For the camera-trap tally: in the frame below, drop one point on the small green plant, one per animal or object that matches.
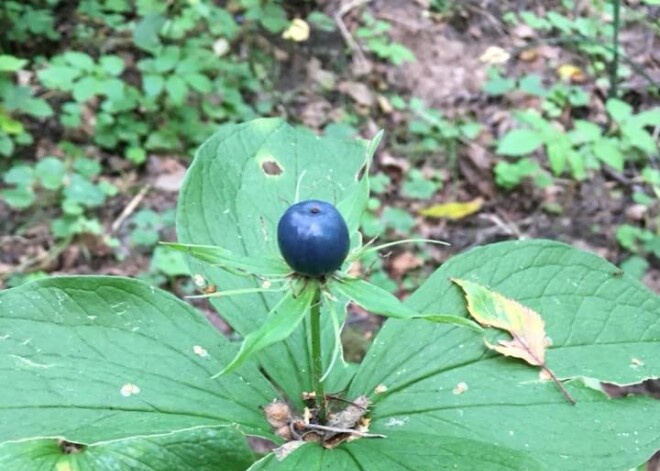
(71, 186)
(16, 101)
(374, 34)
(170, 391)
(582, 149)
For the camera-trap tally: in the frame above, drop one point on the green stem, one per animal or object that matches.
(614, 67)
(317, 359)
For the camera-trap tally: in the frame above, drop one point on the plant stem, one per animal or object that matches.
(317, 359)
(559, 384)
(614, 67)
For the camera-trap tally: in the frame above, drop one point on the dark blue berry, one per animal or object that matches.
(313, 238)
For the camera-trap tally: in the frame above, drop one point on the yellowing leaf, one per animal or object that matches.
(526, 327)
(297, 31)
(571, 73)
(454, 210)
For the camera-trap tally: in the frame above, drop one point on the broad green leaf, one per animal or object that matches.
(10, 63)
(519, 142)
(153, 84)
(199, 82)
(442, 381)
(50, 171)
(58, 76)
(112, 65)
(584, 132)
(145, 34)
(176, 89)
(618, 110)
(239, 185)
(646, 118)
(200, 449)
(20, 198)
(281, 321)
(608, 151)
(94, 359)
(403, 450)
(79, 60)
(37, 107)
(640, 139)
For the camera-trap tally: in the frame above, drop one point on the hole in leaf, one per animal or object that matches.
(271, 167)
(70, 448)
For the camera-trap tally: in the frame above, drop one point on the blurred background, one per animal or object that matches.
(503, 119)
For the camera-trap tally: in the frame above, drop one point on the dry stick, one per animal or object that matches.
(344, 30)
(130, 207)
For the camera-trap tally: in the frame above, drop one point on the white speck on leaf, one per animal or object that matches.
(636, 362)
(381, 388)
(394, 422)
(460, 388)
(200, 351)
(129, 389)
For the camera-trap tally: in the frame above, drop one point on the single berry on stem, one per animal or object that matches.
(313, 238)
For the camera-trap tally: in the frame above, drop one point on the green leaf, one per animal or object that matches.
(137, 155)
(353, 206)
(607, 150)
(169, 262)
(176, 89)
(85, 88)
(11, 64)
(37, 107)
(112, 65)
(618, 110)
(372, 298)
(145, 35)
(646, 118)
(227, 260)
(519, 142)
(201, 449)
(18, 198)
(6, 144)
(639, 138)
(584, 132)
(228, 199)
(50, 171)
(404, 450)
(59, 77)
(82, 191)
(378, 301)
(153, 84)
(94, 359)
(440, 380)
(280, 323)
(199, 82)
(19, 175)
(79, 60)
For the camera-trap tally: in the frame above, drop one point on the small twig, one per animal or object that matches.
(348, 37)
(41, 260)
(326, 428)
(130, 207)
